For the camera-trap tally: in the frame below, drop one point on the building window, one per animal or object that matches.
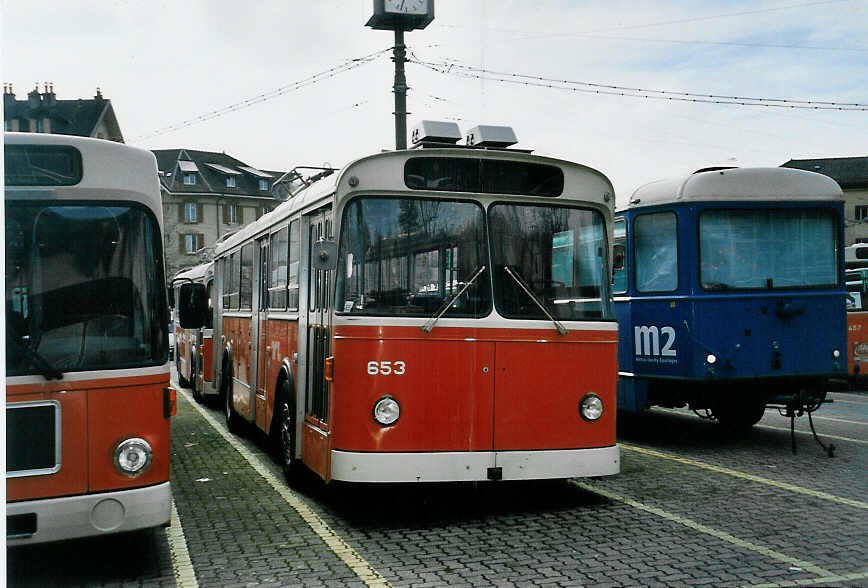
(190, 213)
(263, 185)
(861, 212)
(232, 214)
(230, 181)
(190, 243)
(190, 179)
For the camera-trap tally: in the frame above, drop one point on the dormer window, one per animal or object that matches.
(189, 179)
(230, 181)
(263, 185)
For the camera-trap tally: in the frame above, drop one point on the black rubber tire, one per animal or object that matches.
(284, 433)
(739, 417)
(194, 381)
(233, 421)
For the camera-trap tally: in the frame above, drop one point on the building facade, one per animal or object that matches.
(42, 112)
(851, 173)
(206, 196)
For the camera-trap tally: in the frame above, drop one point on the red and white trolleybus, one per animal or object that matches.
(87, 369)
(433, 314)
(856, 259)
(194, 348)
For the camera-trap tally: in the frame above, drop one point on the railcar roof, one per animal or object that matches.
(196, 272)
(119, 169)
(375, 173)
(739, 184)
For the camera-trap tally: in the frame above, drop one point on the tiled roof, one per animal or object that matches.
(211, 169)
(849, 172)
(68, 117)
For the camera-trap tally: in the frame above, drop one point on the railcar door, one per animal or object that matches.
(315, 430)
(260, 321)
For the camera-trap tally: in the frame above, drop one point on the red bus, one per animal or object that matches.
(194, 348)
(88, 400)
(442, 313)
(856, 259)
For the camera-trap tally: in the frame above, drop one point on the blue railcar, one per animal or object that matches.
(729, 293)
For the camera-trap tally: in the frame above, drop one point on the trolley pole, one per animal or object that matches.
(399, 56)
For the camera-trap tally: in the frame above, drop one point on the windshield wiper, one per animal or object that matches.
(562, 330)
(40, 363)
(428, 326)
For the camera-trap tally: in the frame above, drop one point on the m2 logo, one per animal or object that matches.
(647, 341)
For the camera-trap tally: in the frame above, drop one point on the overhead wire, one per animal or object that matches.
(343, 67)
(456, 69)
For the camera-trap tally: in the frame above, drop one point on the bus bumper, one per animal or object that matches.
(68, 517)
(474, 466)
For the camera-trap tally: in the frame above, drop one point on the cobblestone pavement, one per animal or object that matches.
(690, 507)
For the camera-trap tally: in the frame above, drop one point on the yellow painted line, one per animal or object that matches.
(732, 539)
(815, 582)
(185, 574)
(822, 418)
(821, 435)
(365, 571)
(746, 476)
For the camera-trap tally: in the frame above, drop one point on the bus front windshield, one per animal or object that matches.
(409, 257)
(549, 260)
(768, 249)
(84, 288)
(415, 256)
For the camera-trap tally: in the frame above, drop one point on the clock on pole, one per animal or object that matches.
(400, 16)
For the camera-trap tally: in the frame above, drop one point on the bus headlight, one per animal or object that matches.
(133, 457)
(387, 410)
(591, 407)
(836, 354)
(711, 359)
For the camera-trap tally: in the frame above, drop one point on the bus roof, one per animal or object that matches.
(197, 272)
(112, 171)
(375, 174)
(739, 184)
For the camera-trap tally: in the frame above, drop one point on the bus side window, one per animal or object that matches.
(619, 257)
(656, 252)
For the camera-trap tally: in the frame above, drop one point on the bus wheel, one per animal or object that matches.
(739, 416)
(233, 421)
(194, 383)
(285, 433)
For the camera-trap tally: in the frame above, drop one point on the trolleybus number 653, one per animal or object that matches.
(386, 368)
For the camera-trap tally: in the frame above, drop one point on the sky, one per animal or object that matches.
(179, 74)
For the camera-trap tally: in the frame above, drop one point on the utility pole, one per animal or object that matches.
(399, 56)
(400, 16)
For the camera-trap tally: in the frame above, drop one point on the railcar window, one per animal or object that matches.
(277, 269)
(82, 288)
(234, 274)
(560, 253)
(619, 274)
(656, 252)
(857, 287)
(41, 165)
(294, 252)
(488, 176)
(409, 256)
(767, 249)
(246, 288)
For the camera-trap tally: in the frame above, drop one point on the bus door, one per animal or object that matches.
(260, 324)
(315, 431)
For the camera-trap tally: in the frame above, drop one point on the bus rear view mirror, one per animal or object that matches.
(324, 255)
(192, 305)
